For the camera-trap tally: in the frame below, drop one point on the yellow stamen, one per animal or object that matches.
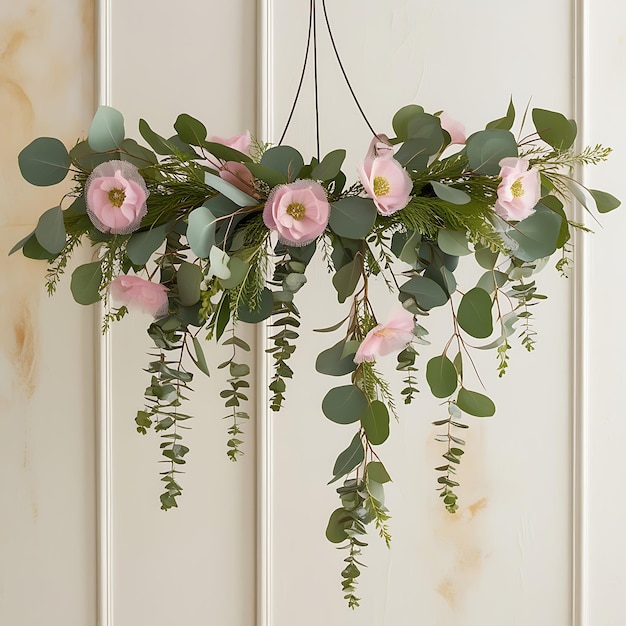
(381, 186)
(296, 210)
(517, 188)
(117, 197)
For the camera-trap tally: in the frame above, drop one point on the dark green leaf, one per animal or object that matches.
(159, 144)
(344, 405)
(350, 458)
(85, 283)
(139, 156)
(50, 231)
(453, 242)
(486, 148)
(347, 278)
(402, 118)
(475, 403)
(604, 201)
(537, 235)
(262, 313)
(188, 278)
(329, 166)
(442, 376)
(226, 153)
(332, 363)
(44, 161)
(554, 128)
(190, 130)
(426, 292)
(376, 423)
(506, 122)
(200, 359)
(376, 471)
(285, 160)
(352, 217)
(143, 244)
(474, 314)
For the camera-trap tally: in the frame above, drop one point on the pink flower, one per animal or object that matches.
(519, 191)
(139, 294)
(384, 339)
(116, 197)
(384, 179)
(238, 142)
(299, 211)
(238, 175)
(455, 129)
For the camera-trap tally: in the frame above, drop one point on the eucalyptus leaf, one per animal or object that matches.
(200, 359)
(139, 156)
(537, 235)
(475, 403)
(240, 198)
(188, 278)
(142, 244)
(85, 283)
(264, 310)
(402, 118)
(20, 244)
(554, 128)
(449, 194)
(285, 160)
(339, 521)
(190, 130)
(506, 122)
(267, 174)
(474, 314)
(44, 161)
(376, 423)
(329, 166)
(344, 405)
(441, 376)
(426, 292)
(332, 362)
(50, 231)
(349, 459)
(201, 231)
(32, 249)
(486, 258)
(605, 202)
(238, 271)
(453, 242)
(159, 144)
(346, 279)
(226, 153)
(376, 471)
(486, 148)
(352, 217)
(107, 129)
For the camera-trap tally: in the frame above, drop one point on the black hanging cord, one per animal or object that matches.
(312, 35)
(306, 58)
(343, 71)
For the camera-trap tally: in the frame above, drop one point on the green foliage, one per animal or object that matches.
(44, 161)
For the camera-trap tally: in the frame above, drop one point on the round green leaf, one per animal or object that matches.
(332, 363)
(474, 314)
(344, 405)
(453, 242)
(264, 310)
(44, 161)
(142, 245)
(554, 128)
(426, 292)
(85, 283)
(188, 278)
(376, 423)
(50, 231)
(537, 235)
(475, 403)
(107, 129)
(337, 524)
(486, 148)
(285, 160)
(441, 376)
(352, 217)
(402, 118)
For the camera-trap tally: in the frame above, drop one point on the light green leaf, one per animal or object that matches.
(50, 231)
(474, 314)
(143, 244)
(107, 129)
(201, 231)
(218, 263)
(349, 459)
(85, 283)
(441, 376)
(352, 217)
(344, 405)
(449, 194)
(240, 198)
(453, 242)
(376, 423)
(44, 161)
(475, 403)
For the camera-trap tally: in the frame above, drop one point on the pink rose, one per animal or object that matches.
(455, 129)
(384, 179)
(116, 196)
(519, 191)
(238, 175)
(299, 211)
(384, 339)
(238, 142)
(139, 294)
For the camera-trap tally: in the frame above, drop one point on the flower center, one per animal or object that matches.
(517, 188)
(297, 210)
(381, 186)
(117, 197)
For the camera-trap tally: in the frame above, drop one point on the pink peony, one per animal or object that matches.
(384, 179)
(238, 142)
(299, 211)
(238, 175)
(139, 294)
(116, 196)
(519, 191)
(455, 129)
(384, 339)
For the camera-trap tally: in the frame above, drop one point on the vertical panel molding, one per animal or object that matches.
(104, 474)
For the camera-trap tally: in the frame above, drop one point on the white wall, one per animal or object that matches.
(537, 538)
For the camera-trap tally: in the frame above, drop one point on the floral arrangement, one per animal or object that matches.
(206, 233)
